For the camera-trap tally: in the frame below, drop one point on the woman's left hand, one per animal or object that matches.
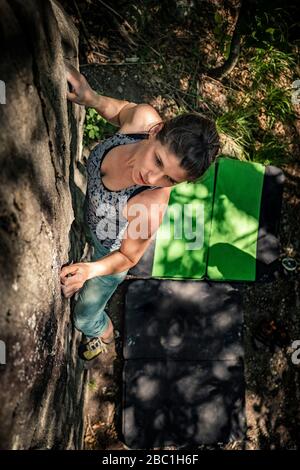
(73, 277)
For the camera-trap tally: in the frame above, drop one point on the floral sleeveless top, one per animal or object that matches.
(103, 208)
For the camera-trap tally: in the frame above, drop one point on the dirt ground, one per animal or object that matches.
(272, 380)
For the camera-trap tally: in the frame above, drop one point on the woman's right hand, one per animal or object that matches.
(81, 92)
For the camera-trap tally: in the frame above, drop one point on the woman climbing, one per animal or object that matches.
(129, 179)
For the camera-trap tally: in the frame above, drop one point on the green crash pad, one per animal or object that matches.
(224, 227)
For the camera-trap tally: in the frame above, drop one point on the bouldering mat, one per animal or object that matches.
(183, 380)
(224, 227)
(183, 320)
(182, 402)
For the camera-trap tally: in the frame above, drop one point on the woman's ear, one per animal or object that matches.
(155, 128)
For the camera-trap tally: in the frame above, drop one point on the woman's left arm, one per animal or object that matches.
(73, 277)
(144, 214)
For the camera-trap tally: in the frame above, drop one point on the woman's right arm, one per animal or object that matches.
(131, 117)
(83, 94)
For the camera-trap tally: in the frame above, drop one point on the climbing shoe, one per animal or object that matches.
(90, 348)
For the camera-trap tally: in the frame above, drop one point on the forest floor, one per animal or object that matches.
(154, 67)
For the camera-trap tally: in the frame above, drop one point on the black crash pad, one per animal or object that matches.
(183, 320)
(182, 403)
(183, 379)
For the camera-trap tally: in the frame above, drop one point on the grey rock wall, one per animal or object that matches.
(42, 384)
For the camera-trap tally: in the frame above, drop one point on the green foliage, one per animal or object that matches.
(239, 124)
(242, 126)
(277, 105)
(269, 28)
(269, 63)
(95, 127)
(270, 151)
(221, 36)
(250, 127)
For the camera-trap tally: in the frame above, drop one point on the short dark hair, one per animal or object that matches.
(194, 139)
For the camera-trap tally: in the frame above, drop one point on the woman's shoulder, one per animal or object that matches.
(153, 203)
(151, 196)
(138, 118)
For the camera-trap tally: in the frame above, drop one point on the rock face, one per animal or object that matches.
(42, 384)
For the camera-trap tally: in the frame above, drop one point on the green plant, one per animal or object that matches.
(269, 27)
(95, 127)
(239, 125)
(270, 151)
(249, 127)
(268, 63)
(277, 105)
(221, 36)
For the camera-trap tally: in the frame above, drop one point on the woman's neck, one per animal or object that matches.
(130, 160)
(122, 168)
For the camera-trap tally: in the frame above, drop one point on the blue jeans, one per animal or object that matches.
(89, 315)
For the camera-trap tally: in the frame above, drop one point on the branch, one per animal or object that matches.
(230, 63)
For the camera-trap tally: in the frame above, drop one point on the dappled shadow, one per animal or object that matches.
(230, 259)
(183, 372)
(179, 403)
(183, 320)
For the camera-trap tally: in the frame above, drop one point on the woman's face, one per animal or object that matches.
(155, 165)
